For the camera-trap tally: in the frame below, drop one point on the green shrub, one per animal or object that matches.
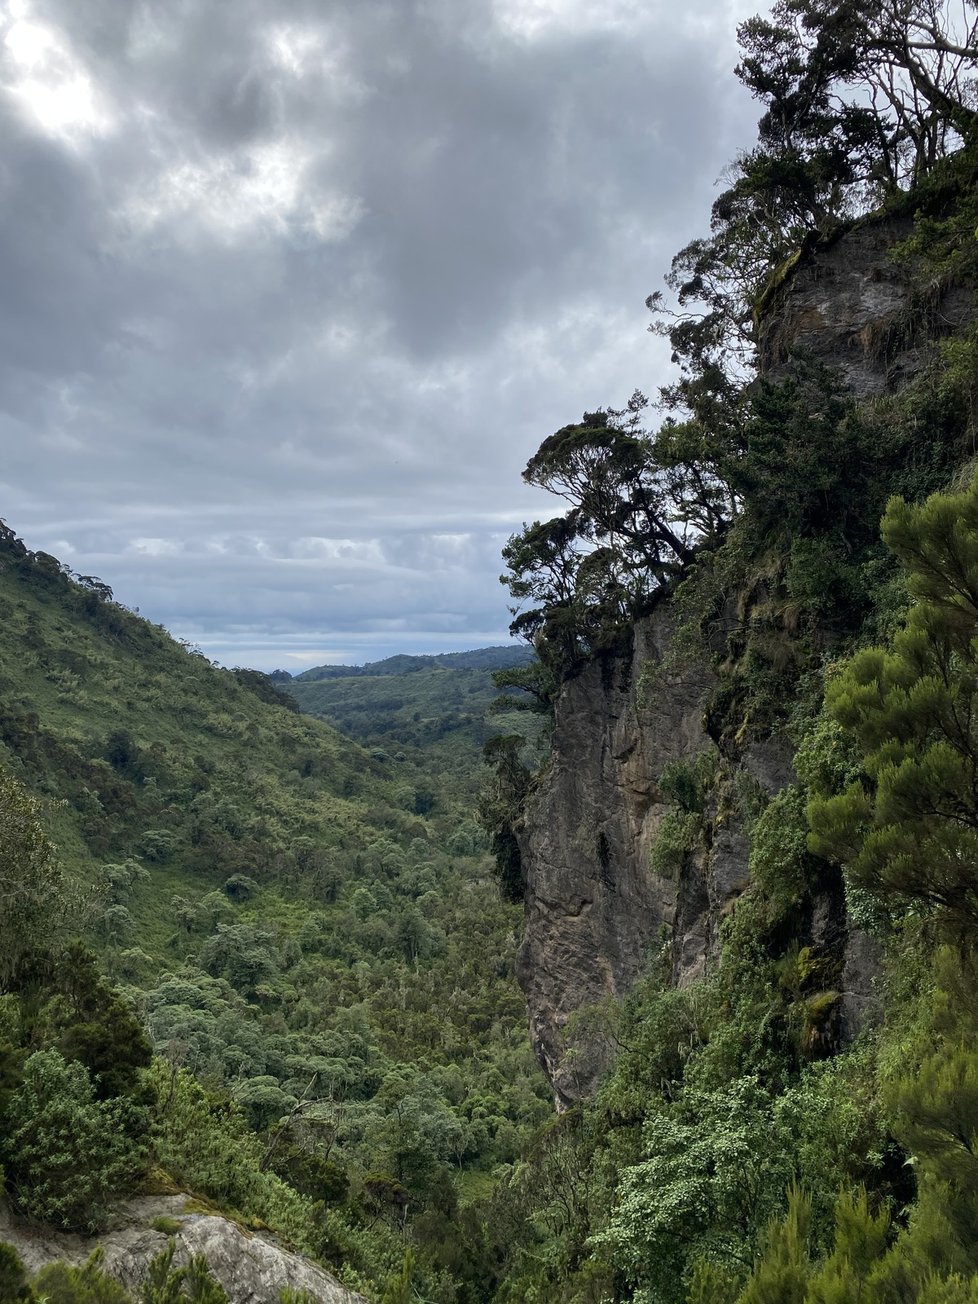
(675, 838)
(13, 1276)
(59, 1283)
(67, 1155)
(193, 1281)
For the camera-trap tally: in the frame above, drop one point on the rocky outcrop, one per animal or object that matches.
(253, 1269)
(850, 304)
(595, 908)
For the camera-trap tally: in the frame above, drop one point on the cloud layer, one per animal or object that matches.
(292, 290)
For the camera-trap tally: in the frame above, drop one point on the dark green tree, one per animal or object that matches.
(909, 829)
(36, 899)
(637, 509)
(861, 100)
(67, 1156)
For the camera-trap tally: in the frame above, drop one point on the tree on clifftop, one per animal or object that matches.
(637, 508)
(862, 100)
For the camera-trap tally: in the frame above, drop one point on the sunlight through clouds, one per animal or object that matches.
(265, 188)
(47, 80)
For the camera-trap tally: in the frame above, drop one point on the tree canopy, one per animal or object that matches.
(909, 828)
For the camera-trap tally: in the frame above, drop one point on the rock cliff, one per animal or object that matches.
(870, 316)
(253, 1269)
(595, 907)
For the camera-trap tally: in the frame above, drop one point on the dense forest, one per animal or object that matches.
(266, 965)
(270, 960)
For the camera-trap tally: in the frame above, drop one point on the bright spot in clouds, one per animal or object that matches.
(45, 78)
(264, 188)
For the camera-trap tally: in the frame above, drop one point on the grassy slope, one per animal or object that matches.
(130, 735)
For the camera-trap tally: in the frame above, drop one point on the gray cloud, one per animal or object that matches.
(279, 273)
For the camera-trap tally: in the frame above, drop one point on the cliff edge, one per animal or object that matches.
(599, 905)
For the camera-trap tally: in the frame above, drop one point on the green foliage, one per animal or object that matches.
(89, 1021)
(399, 1290)
(937, 1118)
(431, 710)
(684, 785)
(34, 891)
(291, 910)
(910, 829)
(787, 1271)
(712, 1168)
(677, 835)
(780, 863)
(67, 1155)
(860, 1241)
(636, 507)
(13, 1276)
(59, 1283)
(709, 1283)
(779, 1277)
(204, 1142)
(165, 1224)
(166, 1283)
(534, 682)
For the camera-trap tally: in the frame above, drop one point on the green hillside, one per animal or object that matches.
(483, 658)
(294, 918)
(435, 712)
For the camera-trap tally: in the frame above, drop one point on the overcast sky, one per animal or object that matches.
(292, 289)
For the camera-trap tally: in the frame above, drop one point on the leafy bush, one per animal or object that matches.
(67, 1155)
(59, 1283)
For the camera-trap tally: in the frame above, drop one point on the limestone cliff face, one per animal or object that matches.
(594, 907)
(252, 1269)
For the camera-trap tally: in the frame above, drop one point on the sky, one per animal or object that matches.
(293, 289)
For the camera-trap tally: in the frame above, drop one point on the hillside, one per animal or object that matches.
(434, 712)
(483, 658)
(292, 917)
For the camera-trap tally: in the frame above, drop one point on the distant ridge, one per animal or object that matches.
(483, 658)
